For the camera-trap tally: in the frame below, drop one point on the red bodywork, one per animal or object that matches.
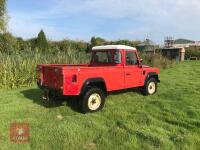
(70, 79)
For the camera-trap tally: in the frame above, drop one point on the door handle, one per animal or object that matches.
(128, 74)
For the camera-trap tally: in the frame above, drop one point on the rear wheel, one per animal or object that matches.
(150, 87)
(93, 100)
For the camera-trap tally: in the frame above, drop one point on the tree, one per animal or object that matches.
(126, 42)
(97, 41)
(8, 43)
(41, 41)
(2, 15)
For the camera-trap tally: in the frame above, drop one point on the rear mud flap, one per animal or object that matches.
(49, 95)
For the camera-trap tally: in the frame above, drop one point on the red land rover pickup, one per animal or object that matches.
(112, 68)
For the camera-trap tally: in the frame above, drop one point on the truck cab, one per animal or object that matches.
(112, 68)
(125, 59)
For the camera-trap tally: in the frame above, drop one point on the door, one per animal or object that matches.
(132, 71)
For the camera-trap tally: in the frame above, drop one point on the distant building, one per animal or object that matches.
(146, 46)
(174, 49)
(169, 41)
(174, 53)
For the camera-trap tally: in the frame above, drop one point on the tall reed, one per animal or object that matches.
(19, 70)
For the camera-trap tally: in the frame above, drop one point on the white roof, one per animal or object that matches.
(113, 47)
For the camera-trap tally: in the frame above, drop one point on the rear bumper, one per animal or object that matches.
(58, 92)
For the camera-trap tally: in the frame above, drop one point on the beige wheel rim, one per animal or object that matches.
(152, 87)
(94, 101)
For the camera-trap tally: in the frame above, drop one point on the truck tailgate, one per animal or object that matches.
(52, 77)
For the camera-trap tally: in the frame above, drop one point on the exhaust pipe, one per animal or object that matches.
(49, 95)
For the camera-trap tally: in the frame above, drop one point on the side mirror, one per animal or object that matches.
(140, 62)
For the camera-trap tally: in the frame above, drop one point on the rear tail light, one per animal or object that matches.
(74, 78)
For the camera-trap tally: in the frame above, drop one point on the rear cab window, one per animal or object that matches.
(107, 57)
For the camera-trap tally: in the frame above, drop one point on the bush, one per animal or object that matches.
(157, 60)
(192, 51)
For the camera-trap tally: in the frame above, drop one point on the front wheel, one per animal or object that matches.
(150, 87)
(93, 100)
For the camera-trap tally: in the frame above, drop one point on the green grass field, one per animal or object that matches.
(168, 120)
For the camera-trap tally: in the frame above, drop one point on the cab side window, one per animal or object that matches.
(131, 58)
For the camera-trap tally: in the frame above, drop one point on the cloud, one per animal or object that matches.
(128, 8)
(158, 18)
(111, 18)
(25, 26)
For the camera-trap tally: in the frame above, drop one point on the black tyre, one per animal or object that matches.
(93, 100)
(150, 87)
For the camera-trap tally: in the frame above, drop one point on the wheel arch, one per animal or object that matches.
(96, 82)
(152, 75)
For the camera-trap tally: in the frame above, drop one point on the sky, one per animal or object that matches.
(109, 19)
